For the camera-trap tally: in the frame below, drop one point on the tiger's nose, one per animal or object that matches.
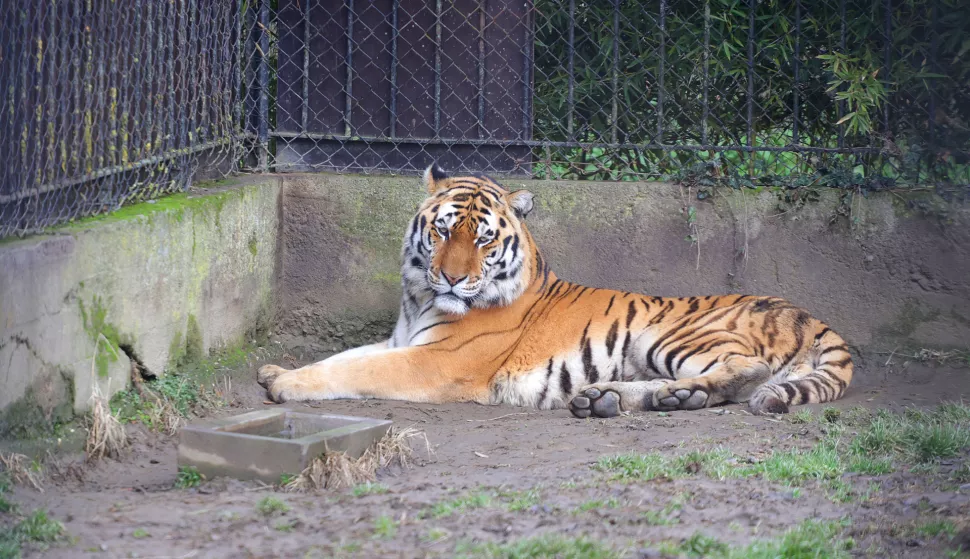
(452, 280)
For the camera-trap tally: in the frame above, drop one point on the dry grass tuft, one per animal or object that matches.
(336, 470)
(21, 470)
(107, 437)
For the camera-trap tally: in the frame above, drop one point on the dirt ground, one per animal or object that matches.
(484, 458)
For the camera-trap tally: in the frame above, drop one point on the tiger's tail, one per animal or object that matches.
(828, 374)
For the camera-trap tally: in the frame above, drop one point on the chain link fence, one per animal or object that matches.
(744, 92)
(106, 102)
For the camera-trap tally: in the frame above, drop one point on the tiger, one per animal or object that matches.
(484, 319)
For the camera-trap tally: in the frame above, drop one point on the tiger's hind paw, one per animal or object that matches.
(595, 402)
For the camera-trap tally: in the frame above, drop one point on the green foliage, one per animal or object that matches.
(269, 505)
(188, 477)
(37, 529)
(614, 93)
(385, 528)
(461, 504)
(547, 546)
(369, 488)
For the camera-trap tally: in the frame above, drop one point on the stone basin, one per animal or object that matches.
(263, 445)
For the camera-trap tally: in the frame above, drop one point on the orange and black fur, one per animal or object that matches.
(484, 319)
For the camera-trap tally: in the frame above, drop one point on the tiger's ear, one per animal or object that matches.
(434, 177)
(521, 202)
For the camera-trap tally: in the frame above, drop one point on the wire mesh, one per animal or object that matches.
(107, 102)
(745, 92)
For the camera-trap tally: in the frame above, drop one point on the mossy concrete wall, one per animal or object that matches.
(163, 282)
(883, 275)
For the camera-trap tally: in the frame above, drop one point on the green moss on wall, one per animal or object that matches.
(105, 336)
(175, 205)
(187, 349)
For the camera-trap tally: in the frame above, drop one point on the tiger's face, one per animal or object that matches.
(467, 244)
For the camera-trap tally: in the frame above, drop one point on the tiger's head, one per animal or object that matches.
(468, 244)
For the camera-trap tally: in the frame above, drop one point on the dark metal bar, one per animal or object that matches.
(934, 52)
(50, 58)
(797, 69)
(662, 68)
(750, 115)
(240, 62)
(395, 31)
(449, 142)
(707, 69)
(263, 119)
(570, 98)
(616, 70)
(153, 83)
(305, 99)
(437, 68)
(349, 61)
(195, 51)
(527, 74)
(481, 67)
(887, 63)
(840, 106)
(178, 51)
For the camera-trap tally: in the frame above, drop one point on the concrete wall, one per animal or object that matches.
(163, 281)
(168, 281)
(883, 276)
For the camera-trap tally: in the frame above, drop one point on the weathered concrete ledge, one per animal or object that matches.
(162, 282)
(882, 274)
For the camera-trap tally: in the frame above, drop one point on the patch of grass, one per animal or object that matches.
(659, 518)
(285, 526)
(140, 533)
(37, 530)
(385, 528)
(369, 488)
(794, 466)
(801, 416)
(540, 547)
(841, 491)
(831, 415)
(521, 500)
(870, 465)
(596, 504)
(5, 505)
(961, 474)
(714, 463)
(188, 477)
(460, 505)
(286, 479)
(191, 388)
(664, 517)
(270, 505)
(934, 528)
(639, 467)
(809, 540)
(435, 535)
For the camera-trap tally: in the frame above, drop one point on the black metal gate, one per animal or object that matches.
(384, 84)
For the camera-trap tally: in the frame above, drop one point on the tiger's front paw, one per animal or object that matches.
(592, 401)
(288, 388)
(267, 374)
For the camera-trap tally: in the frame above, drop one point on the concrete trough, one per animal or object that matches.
(266, 444)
